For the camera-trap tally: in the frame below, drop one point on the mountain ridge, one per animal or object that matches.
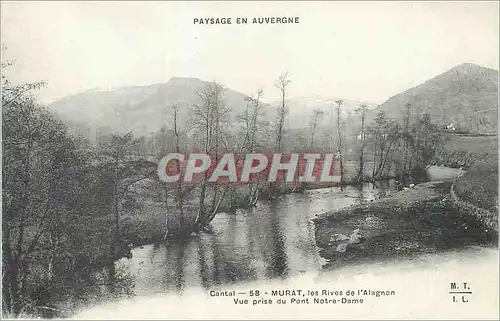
(144, 108)
(465, 96)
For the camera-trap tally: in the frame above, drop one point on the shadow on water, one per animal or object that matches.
(175, 260)
(276, 258)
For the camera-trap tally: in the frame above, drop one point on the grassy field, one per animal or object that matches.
(479, 155)
(471, 144)
(480, 184)
(463, 151)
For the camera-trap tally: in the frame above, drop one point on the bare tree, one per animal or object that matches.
(152, 144)
(339, 137)
(175, 109)
(406, 136)
(250, 118)
(208, 117)
(282, 84)
(180, 194)
(316, 114)
(116, 158)
(362, 110)
(161, 140)
(384, 135)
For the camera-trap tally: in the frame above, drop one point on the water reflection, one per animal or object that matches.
(175, 260)
(275, 249)
(273, 240)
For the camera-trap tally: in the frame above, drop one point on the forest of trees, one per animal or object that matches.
(66, 198)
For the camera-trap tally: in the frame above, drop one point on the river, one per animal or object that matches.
(273, 242)
(275, 239)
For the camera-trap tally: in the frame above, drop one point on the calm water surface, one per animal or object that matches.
(273, 240)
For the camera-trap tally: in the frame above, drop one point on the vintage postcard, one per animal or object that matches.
(333, 160)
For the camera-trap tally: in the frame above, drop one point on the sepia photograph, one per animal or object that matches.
(305, 160)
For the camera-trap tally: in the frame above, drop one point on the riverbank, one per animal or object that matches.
(423, 219)
(479, 185)
(420, 286)
(276, 241)
(154, 222)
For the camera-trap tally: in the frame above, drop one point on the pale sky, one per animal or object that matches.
(354, 50)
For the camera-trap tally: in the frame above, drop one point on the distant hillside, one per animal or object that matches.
(142, 109)
(466, 96)
(301, 109)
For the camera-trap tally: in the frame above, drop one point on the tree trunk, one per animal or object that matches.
(407, 134)
(341, 161)
(361, 157)
(116, 212)
(166, 212)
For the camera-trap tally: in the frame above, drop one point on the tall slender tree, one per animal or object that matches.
(360, 177)
(406, 141)
(339, 140)
(317, 113)
(282, 84)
